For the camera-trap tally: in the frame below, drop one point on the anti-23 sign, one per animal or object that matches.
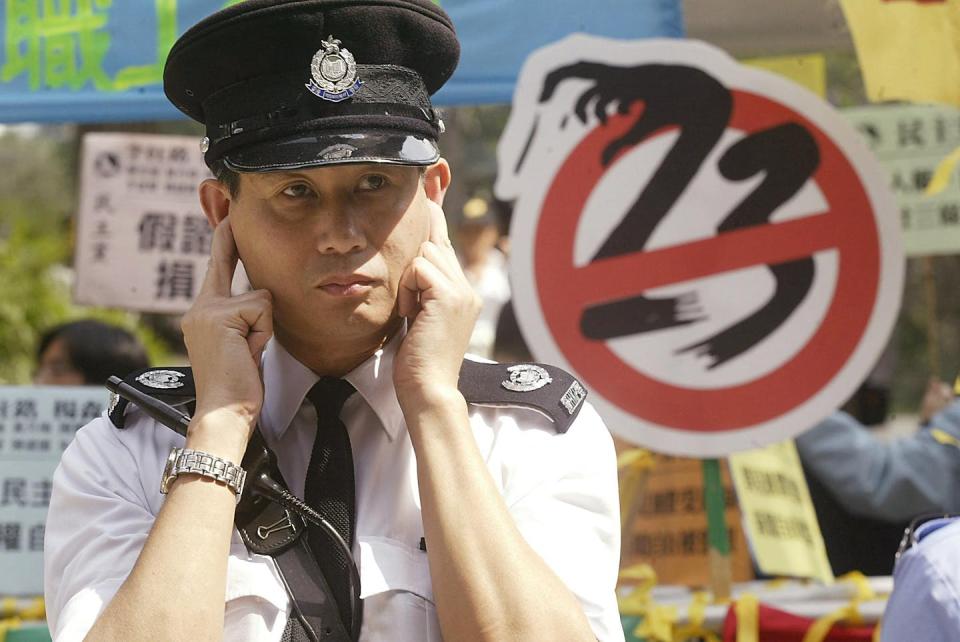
(711, 248)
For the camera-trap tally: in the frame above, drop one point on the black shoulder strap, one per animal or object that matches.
(549, 389)
(171, 385)
(271, 529)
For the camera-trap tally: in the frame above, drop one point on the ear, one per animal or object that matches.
(215, 200)
(436, 180)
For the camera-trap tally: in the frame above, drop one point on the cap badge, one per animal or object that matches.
(334, 73)
(340, 151)
(162, 379)
(526, 377)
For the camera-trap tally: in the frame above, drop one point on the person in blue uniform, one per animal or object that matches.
(925, 603)
(890, 480)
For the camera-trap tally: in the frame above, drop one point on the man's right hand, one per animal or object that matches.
(225, 336)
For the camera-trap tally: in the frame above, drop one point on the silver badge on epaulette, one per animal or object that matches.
(573, 397)
(162, 379)
(526, 377)
(334, 73)
(114, 400)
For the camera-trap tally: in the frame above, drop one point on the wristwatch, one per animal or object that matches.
(187, 460)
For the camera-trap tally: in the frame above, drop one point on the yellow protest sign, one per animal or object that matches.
(779, 518)
(808, 70)
(908, 50)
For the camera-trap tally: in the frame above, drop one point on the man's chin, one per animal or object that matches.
(338, 324)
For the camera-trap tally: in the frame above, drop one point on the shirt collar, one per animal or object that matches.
(287, 382)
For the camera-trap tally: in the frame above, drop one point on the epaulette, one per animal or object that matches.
(548, 389)
(173, 386)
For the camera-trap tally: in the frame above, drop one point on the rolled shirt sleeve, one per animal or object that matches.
(98, 521)
(561, 490)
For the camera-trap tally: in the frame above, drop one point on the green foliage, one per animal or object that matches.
(36, 193)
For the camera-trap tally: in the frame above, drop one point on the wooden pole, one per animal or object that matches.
(933, 327)
(718, 536)
(635, 466)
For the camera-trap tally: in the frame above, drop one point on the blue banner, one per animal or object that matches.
(102, 60)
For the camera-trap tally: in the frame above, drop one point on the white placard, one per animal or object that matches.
(911, 141)
(36, 426)
(142, 239)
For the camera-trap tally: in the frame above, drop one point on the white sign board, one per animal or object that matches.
(910, 141)
(142, 239)
(711, 248)
(36, 426)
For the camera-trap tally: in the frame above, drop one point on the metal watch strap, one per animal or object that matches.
(187, 460)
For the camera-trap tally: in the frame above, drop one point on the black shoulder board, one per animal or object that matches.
(173, 386)
(548, 389)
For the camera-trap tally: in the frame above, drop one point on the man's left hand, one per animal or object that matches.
(441, 308)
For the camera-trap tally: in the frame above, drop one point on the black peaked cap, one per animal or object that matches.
(244, 73)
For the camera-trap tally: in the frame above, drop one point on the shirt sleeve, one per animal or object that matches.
(97, 523)
(571, 516)
(925, 604)
(894, 480)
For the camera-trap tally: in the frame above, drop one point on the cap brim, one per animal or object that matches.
(330, 148)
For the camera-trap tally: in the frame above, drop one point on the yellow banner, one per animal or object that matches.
(908, 50)
(808, 70)
(779, 518)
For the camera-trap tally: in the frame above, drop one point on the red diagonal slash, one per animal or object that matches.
(565, 290)
(603, 281)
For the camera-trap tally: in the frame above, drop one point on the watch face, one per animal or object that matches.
(168, 475)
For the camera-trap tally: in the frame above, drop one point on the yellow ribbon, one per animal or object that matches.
(10, 608)
(8, 624)
(36, 611)
(941, 176)
(658, 621)
(876, 631)
(637, 459)
(850, 613)
(657, 624)
(818, 630)
(861, 585)
(747, 609)
(638, 600)
(945, 438)
(697, 614)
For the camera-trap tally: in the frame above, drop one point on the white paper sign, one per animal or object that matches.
(910, 141)
(142, 239)
(36, 426)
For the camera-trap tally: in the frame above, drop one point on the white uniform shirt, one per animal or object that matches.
(561, 490)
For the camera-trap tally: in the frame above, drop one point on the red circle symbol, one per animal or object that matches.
(848, 226)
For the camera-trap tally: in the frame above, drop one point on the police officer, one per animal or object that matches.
(925, 603)
(476, 507)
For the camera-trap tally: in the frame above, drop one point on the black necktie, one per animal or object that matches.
(330, 488)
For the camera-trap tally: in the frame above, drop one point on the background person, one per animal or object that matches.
(485, 267)
(87, 353)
